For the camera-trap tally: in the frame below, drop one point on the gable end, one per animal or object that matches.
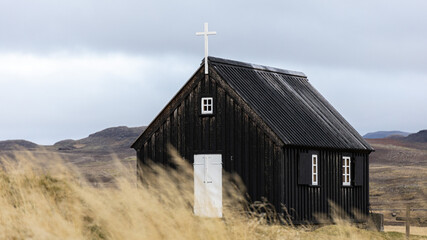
(170, 107)
(186, 90)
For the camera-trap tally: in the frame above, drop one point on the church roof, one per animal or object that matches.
(289, 105)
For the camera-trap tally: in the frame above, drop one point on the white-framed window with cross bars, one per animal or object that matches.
(346, 171)
(207, 105)
(314, 170)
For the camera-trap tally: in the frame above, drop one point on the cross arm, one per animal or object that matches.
(207, 33)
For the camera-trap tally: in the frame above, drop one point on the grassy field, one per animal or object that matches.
(398, 169)
(54, 201)
(422, 231)
(398, 177)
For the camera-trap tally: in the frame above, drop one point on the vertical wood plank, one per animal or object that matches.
(160, 147)
(220, 119)
(238, 151)
(232, 136)
(252, 160)
(261, 160)
(246, 148)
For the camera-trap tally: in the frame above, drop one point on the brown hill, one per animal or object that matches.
(17, 144)
(111, 140)
(420, 136)
(398, 176)
(95, 156)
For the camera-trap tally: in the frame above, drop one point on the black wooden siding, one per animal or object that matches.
(245, 147)
(303, 201)
(267, 168)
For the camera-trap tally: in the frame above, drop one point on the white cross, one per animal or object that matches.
(206, 33)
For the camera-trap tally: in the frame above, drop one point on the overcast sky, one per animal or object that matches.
(70, 68)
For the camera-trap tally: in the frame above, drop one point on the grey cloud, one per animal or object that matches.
(363, 34)
(367, 48)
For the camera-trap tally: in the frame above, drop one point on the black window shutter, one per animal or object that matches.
(358, 171)
(304, 169)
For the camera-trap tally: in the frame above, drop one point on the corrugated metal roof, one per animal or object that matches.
(289, 105)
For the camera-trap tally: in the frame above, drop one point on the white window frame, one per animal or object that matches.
(346, 171)
(314, 170)
(207, 105)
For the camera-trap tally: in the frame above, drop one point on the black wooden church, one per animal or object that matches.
(272, 128)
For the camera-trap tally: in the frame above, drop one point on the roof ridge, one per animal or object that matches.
(254, 66)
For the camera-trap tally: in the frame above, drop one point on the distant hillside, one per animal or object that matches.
(397, 177)
(384, 134)
(17, 144)
(95, 156)
(420, 136)
(110, 139)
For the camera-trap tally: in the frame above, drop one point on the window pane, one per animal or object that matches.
(314, 178)
(348, 162)
(314, 160)
(205, 101)
(314, 169)
(205, 108)
(348, 178)
(348, 170)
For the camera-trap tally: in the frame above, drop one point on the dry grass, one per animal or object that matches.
(52, 201)
(398, 177)
(422, 231)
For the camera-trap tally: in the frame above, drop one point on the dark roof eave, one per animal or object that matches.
(368, 150)
(255, 66)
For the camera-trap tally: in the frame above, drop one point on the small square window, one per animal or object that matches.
(207, 105)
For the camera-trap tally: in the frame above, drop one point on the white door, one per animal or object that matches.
(208, 185)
